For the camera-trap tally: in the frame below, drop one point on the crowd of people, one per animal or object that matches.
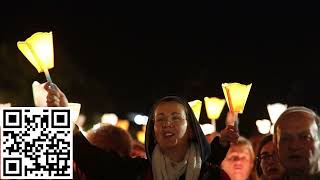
(175, 147)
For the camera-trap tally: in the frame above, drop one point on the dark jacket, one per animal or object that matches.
(98, 164)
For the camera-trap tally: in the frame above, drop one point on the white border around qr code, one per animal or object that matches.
(31, 140)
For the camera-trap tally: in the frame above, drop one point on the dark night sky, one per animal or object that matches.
(122, 57)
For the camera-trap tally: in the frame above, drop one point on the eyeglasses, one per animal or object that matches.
(175, 120)
(267, 156)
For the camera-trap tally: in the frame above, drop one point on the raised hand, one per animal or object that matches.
(55, 97)
(229, 135)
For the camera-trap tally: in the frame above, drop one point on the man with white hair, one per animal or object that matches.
(296, 136)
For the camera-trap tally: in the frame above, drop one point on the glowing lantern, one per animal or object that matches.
(236, 95)
(275, 110)
(207, 128)
(214, 107)
(109, 118)
(196, 107)
(124, 124)
(140, 119)
(74, 111)
(141, 136)
(264, 126)
(38, 49)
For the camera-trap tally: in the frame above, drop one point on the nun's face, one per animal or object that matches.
(170, 125)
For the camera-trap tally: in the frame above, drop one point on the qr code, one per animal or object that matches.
(36, 143)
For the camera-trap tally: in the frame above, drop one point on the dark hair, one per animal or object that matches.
(264, 141)
(192, 122)
(183, 102)
(179, 100)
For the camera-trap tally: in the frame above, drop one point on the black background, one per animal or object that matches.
(121, 57)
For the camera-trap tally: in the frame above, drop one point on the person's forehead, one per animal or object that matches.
(171, 106)
(297, 121)
(242, 149)
(268, 147)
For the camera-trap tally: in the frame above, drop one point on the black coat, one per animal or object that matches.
(98, 164)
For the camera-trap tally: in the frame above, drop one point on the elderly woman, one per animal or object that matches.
(176, 147)
(239, 160)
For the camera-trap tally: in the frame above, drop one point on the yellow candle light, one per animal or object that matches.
(196, 107)
(141, 136)
(38, 49)
(123, 123)
(236, 95)
(214, 107)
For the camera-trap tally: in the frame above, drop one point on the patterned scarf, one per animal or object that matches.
(165, 169)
